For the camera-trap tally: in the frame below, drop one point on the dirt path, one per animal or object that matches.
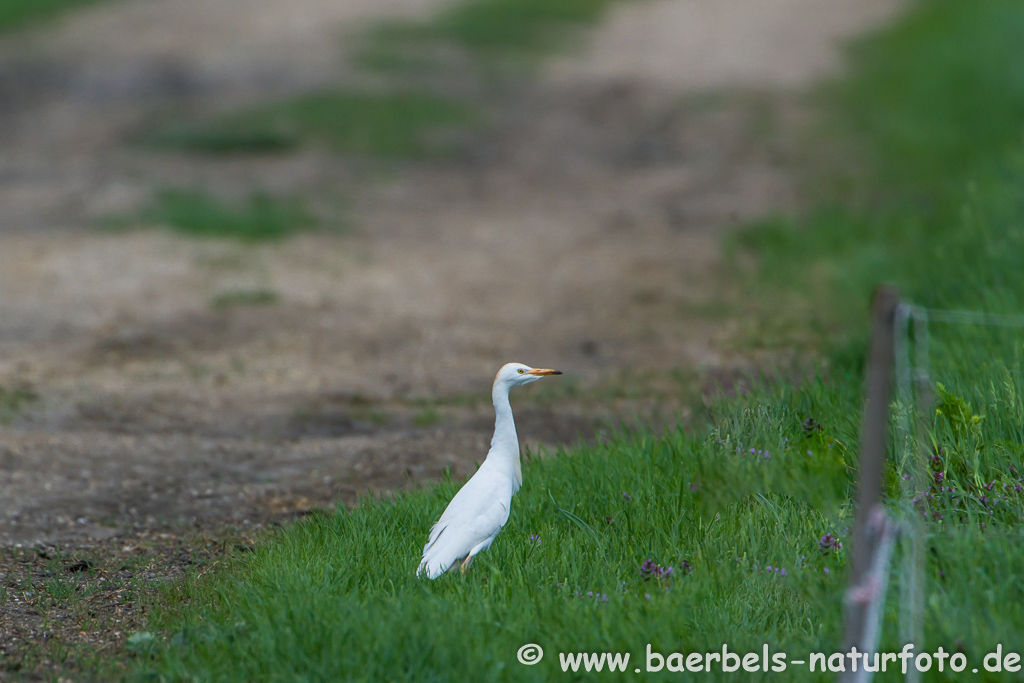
(583, 232)
(696, 45)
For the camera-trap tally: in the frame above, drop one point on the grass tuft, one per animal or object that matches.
(389, 125)
(479, 32)
(198, 214)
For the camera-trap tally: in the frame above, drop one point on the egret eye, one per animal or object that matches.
(521, 371)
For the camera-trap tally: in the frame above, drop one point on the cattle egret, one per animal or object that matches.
(476, 514)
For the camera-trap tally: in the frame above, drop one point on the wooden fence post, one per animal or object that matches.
(869, 526)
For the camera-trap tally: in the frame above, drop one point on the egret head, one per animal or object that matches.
(514, 374)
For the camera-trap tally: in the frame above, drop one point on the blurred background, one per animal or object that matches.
(258, 257)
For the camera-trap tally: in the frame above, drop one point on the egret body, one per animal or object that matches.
(476, 514)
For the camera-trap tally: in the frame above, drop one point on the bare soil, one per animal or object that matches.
(68, 613)
(582, 230)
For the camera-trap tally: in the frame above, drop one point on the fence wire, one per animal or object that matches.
(913, 399)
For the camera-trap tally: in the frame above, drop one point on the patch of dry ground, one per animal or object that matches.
(75, 610)
(581, 231)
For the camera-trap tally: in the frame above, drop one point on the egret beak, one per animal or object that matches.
(541, 372)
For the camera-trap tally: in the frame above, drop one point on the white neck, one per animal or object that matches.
(505, 442)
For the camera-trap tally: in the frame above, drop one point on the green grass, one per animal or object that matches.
(515, 25)
(244, 297)
(335, 597)
(387, 125)
(932, 112)
(375, 621)
(934, 124)
(13, 400)
(427, 416)
(198, 214)
(483, 31)
(16, 14)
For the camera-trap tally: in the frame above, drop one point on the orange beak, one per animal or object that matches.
(540, 372)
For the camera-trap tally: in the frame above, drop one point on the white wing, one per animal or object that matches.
(470, 522)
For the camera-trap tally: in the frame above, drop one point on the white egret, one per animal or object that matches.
(476, 514)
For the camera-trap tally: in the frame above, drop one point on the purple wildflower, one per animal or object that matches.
(652, 570)
(649, 569)
(535, 538)
(829, 543)
(811, 426)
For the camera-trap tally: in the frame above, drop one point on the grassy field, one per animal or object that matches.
(935, 128)
(738, 533)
